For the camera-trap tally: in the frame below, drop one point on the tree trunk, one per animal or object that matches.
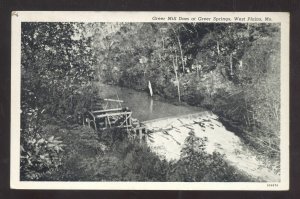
(176, 60)
(241, 64)
(177, 80)
(218, 48)
(181, 54)
(180, 48)
(231, 65)
(212, 84)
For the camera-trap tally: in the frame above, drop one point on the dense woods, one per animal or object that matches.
(232, 69)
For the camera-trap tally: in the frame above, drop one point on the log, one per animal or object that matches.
(114, 100)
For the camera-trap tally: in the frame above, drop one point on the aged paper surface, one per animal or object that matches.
(150, 17)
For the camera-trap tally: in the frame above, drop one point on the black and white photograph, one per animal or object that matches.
(150, 100)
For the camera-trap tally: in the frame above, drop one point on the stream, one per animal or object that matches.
(143, 106)
(171, 124)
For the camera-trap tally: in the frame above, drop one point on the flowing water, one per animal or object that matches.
(171, 124)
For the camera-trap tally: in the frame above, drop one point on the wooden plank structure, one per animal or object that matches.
(107, 116)
(139, 133)
(110, 118)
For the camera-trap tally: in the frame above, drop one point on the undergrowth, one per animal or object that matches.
(111, 156)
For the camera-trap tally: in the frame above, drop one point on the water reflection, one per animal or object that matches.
(151, 105)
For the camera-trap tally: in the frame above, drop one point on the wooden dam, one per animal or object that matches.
(166, 135)
(113, 115)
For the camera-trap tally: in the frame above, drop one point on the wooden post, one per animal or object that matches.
(146, 135)
(108, 121)
(126, 124)
(129, 118)
(89, 123)
(95, 126)
(150, 88)
(105, 121)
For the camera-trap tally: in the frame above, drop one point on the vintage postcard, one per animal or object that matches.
(150, 100)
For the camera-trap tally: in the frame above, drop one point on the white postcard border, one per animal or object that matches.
(197, 17)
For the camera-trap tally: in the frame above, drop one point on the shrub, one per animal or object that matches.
(196, 165)
(40, 155)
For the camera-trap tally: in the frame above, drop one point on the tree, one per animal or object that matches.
(56, 63)
(196, 165)
(56, 66)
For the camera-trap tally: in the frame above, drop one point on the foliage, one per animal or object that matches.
(254, 106)
(196, 165)
(88, 157)
(133, 161)
(82, 146)
(40, 154)
(115, 158)
(232, 69)
(56, 67)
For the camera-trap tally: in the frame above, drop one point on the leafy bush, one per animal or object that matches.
(110, 157)
(40, 155)
(56, 67)
(196, 165)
